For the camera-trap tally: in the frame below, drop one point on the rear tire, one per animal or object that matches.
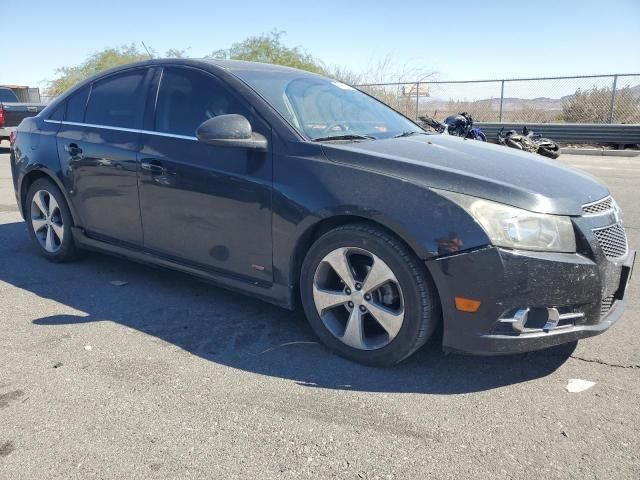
(388, 296)
(480, 136)
(49, 221)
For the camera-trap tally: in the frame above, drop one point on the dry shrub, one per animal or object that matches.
(594, 106)
(401, 96)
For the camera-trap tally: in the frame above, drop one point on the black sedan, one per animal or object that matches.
(299, 189)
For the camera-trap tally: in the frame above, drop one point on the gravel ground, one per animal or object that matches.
(168, 377)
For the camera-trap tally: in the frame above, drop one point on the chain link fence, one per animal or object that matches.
(47, 99)
(595, 99)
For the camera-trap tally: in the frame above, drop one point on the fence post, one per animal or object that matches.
(613, 98)
(501, 99)
(417, 100)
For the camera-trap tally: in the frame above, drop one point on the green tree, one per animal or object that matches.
(268, 48)
(98, 61)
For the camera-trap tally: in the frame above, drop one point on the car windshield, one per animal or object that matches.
(324, 109)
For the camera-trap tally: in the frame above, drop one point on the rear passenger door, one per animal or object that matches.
(97, 144)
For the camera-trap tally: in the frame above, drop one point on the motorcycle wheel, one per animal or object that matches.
(477, 135)
(549, 152)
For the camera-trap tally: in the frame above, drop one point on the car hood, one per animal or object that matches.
(471, 167)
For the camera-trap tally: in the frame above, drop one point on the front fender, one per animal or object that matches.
(429, 223)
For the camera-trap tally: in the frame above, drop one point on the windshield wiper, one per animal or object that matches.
(408, 133)
(346, 136)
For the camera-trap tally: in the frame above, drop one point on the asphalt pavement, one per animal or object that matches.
(169, 377)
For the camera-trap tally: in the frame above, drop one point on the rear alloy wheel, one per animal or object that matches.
(367, 296)
(46, 221)
(49, 221)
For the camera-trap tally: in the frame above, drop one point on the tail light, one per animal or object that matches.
(12, 137)
(1, 116)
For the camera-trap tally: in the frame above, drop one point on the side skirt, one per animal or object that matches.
(260, 290)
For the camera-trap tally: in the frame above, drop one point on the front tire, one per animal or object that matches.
(367, 296)
(551, 150)
(49, 221)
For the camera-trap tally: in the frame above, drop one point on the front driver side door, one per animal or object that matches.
(204, 205)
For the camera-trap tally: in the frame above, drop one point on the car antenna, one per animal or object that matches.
(148, 52)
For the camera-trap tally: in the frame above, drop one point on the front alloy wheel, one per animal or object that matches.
(358, 298)
(367, 296)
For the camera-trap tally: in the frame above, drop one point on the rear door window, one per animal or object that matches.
(188, 97)
(117, 101)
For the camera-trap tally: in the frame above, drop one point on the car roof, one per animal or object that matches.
(231, 66)
(243, 65)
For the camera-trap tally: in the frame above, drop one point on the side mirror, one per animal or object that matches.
(230, 131)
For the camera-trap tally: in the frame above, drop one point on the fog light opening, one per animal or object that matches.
(537, 319)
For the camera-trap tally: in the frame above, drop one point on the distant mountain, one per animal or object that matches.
(635, 91)
(509, 103)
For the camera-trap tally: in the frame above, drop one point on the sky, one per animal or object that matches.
(458, 40)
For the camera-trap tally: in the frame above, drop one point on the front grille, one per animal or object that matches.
(612, 240)
(601, 206)
(606, 305)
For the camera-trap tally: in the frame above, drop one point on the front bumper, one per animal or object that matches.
(589, 295)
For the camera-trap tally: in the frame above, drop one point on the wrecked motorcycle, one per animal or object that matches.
(529, 142)
(460, 125)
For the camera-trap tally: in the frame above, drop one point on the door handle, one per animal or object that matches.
(74, 150)
(154, 167)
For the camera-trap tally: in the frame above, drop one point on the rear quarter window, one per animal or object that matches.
(76, 105)
(59, 112)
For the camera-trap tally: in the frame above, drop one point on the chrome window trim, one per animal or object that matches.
(155, 102)
(122, 129)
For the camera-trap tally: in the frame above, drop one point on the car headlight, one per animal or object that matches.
(513, 227)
